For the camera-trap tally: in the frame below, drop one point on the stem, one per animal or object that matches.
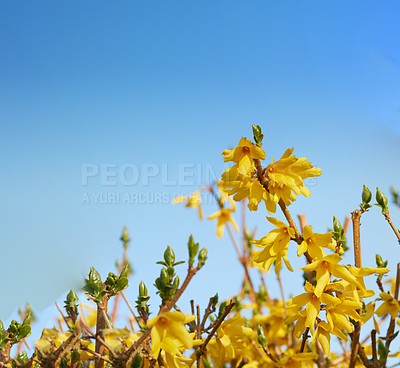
(100, 326)
(116, 299)
(202, 349)
(356, 216)
(130, 307)
(305, 337)
(389, 220)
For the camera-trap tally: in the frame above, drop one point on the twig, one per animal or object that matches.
(302, 220)
(278, 276)
(97, 355)
(355, 336)
(305, 337)
(202, 349)
(62, 314)
(389, 220)
(130, 307)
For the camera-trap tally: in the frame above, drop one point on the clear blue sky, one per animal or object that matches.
(161, 84)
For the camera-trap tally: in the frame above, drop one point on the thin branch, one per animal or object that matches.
(355, 336)
(305, 337)
(389, 220)
(130, 307)
(202, 348)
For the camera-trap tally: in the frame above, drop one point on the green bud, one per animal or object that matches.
(94, 276)
(125, 236)
(379, 261)
(215, 300)
(366, 198)
(382, 201)
(366, 194)
(142, 289)
(262, 340)
(337, 227)
(202, 257)
(257, 135)
(169, 256)
(75, 356)
(175, 284)
(72, 298)
(164, 276)
(22, 357)
(221, 309)
(382, 351)
(193, 249)
(137, 361)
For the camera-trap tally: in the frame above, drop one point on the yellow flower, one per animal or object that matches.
(230, 342)
(323, 335)
(275, 245)
(390, 306)
(327, 266)
(112, 337)
(312, 303)
(336, 316)
(286, 175)
(224, 216)
(313, 243)
(193, 201)
(296, 360)
(369, 312)
(169, 332)
(243, 156)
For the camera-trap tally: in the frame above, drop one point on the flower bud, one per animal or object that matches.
(142, 289)
(382, 201)
(169, 256)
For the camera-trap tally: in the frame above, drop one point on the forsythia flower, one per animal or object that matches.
(243, 156)
(390, 306)
(169, 332)
(296, 360)
(224, 216)
(286, 175)
(230, 342)
(327, 266)
(312, 302)
(313, 243)
(194, 201)
(275, 245)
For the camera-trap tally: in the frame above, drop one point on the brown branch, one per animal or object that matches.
(101, 324)
(130, 308)
(355, 336)
(203, 346)
(125, 359)
(305, 337)
(389, 220)
(97, 355)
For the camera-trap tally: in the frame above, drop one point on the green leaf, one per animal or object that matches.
(258, 136)
(24, 331)
(94, 276)
(122, 284)
(193, 249)
(142, 289)
(22, 357)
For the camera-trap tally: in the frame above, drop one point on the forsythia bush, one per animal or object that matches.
(254, 329)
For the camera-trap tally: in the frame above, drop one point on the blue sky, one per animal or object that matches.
(153, 85)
